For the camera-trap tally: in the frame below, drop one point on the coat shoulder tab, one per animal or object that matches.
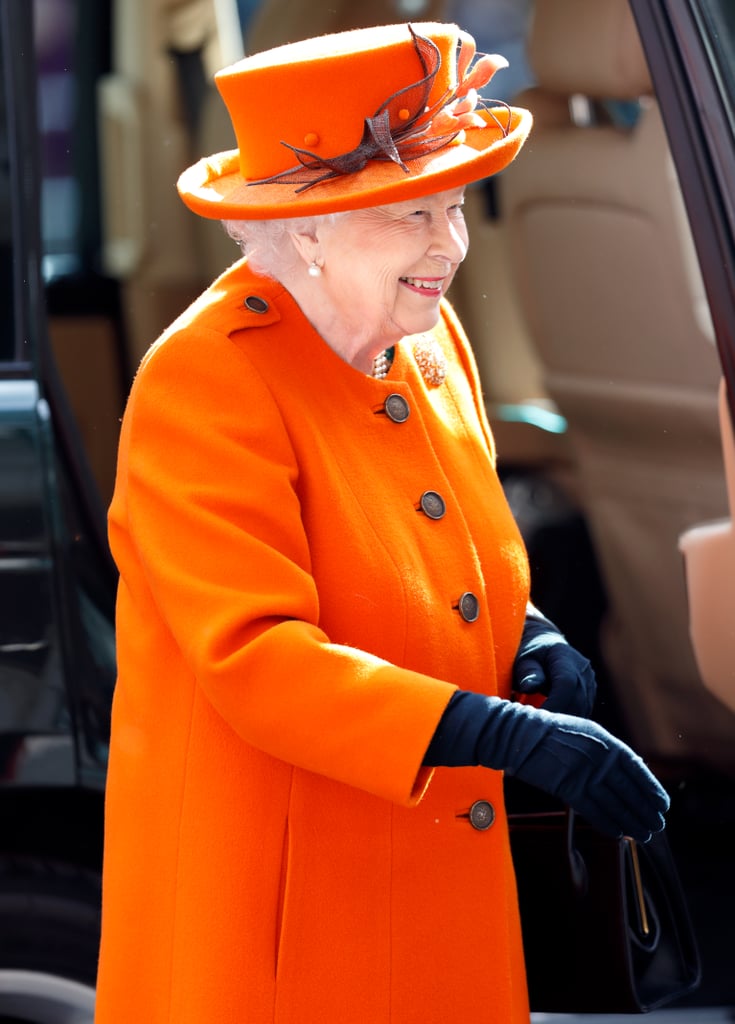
(240, 300)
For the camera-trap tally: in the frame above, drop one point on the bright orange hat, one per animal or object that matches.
(351, 120)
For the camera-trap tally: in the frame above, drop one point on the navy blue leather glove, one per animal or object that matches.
(571, 758)
(546, 663)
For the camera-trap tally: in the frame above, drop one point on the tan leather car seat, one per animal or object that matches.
(525, 422)
(606, 275)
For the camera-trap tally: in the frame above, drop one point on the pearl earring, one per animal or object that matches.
(314, 270)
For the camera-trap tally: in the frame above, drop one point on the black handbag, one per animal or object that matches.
(605, 924)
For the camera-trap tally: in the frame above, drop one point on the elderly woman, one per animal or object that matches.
(323, 606)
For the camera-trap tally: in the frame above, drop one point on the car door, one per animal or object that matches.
(57, 588)
(57, 579)
(690, 47)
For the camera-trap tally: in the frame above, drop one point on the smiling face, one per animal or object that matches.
(384, 271)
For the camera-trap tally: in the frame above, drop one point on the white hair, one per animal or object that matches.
(267, 243)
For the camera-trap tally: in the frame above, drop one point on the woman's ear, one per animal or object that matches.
(307, 246)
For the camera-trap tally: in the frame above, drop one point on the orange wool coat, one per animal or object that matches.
(288, 637)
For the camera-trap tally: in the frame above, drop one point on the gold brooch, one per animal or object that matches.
(430, 360)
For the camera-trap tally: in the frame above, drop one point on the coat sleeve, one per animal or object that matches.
(206, 526)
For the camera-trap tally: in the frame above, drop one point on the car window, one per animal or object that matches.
(55, 28)
(718, 24)
(71, 43)
(689, 48)
(6, 249)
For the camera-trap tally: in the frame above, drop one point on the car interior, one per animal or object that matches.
(618, 319)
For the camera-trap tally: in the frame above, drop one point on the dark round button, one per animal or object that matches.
(433, 505)
(482, 815)
(469, 606)
(256, 304)
(397, 408)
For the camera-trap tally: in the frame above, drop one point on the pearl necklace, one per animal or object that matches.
(381, 364)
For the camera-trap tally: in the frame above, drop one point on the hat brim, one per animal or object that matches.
(214, 187)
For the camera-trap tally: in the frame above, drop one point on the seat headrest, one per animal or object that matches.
(590, 47)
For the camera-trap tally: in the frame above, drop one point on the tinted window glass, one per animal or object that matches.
(72, 51)
(55, 28)
(6, 247)
(719, 18)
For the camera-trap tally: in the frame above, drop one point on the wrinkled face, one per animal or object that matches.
(385, 269)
